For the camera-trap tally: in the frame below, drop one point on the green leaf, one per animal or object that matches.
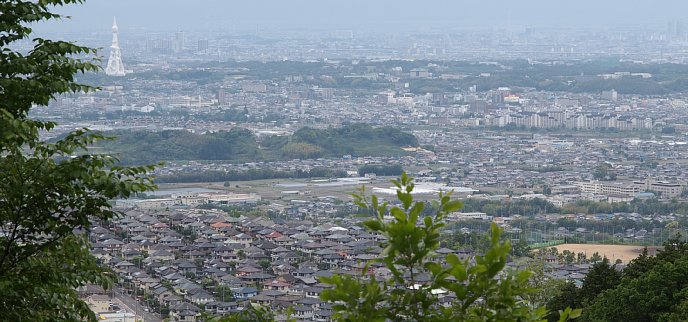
(373, 225)
(575, 313)
(398, 214)
(452, 260)
(452, 206)
(427, 221)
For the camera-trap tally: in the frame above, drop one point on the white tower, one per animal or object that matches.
(115, 66)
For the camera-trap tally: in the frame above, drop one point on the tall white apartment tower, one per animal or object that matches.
(115, 66)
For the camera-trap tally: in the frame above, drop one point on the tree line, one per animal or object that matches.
(248, 175)
(535, 206)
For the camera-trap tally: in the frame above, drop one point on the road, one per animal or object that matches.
(130, 305)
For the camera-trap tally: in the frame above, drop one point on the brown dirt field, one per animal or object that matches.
(624, 252)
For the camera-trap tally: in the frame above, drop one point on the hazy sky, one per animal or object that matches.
(96, 15)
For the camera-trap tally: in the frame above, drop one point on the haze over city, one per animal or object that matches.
(290, 160)
(387, 15)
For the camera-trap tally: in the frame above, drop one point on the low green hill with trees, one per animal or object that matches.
(240, 145)
(357, 140)
(144, 147)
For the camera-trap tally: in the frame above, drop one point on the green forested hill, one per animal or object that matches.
(240, 145)
(141, 147)
(355, 139)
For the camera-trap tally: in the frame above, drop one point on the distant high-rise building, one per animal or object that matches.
(150, 45)
(179, 41)
(478, 106)
(327, 93)
(497, 98)
(202, 44)
(671, 28)
(222, 97)
(165, 46)
(680, 31)
(610, 95)
(115, 66)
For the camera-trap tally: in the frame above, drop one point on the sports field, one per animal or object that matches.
(624, 252)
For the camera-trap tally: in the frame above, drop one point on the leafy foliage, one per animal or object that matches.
(51, 193)
(602, 276)
(47, 69)
(565, 295)
(481, 291)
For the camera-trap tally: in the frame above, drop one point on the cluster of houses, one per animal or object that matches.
(184, 262)
(188, 261)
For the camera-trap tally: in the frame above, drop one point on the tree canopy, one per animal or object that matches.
(51, 193)
(648, 289)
